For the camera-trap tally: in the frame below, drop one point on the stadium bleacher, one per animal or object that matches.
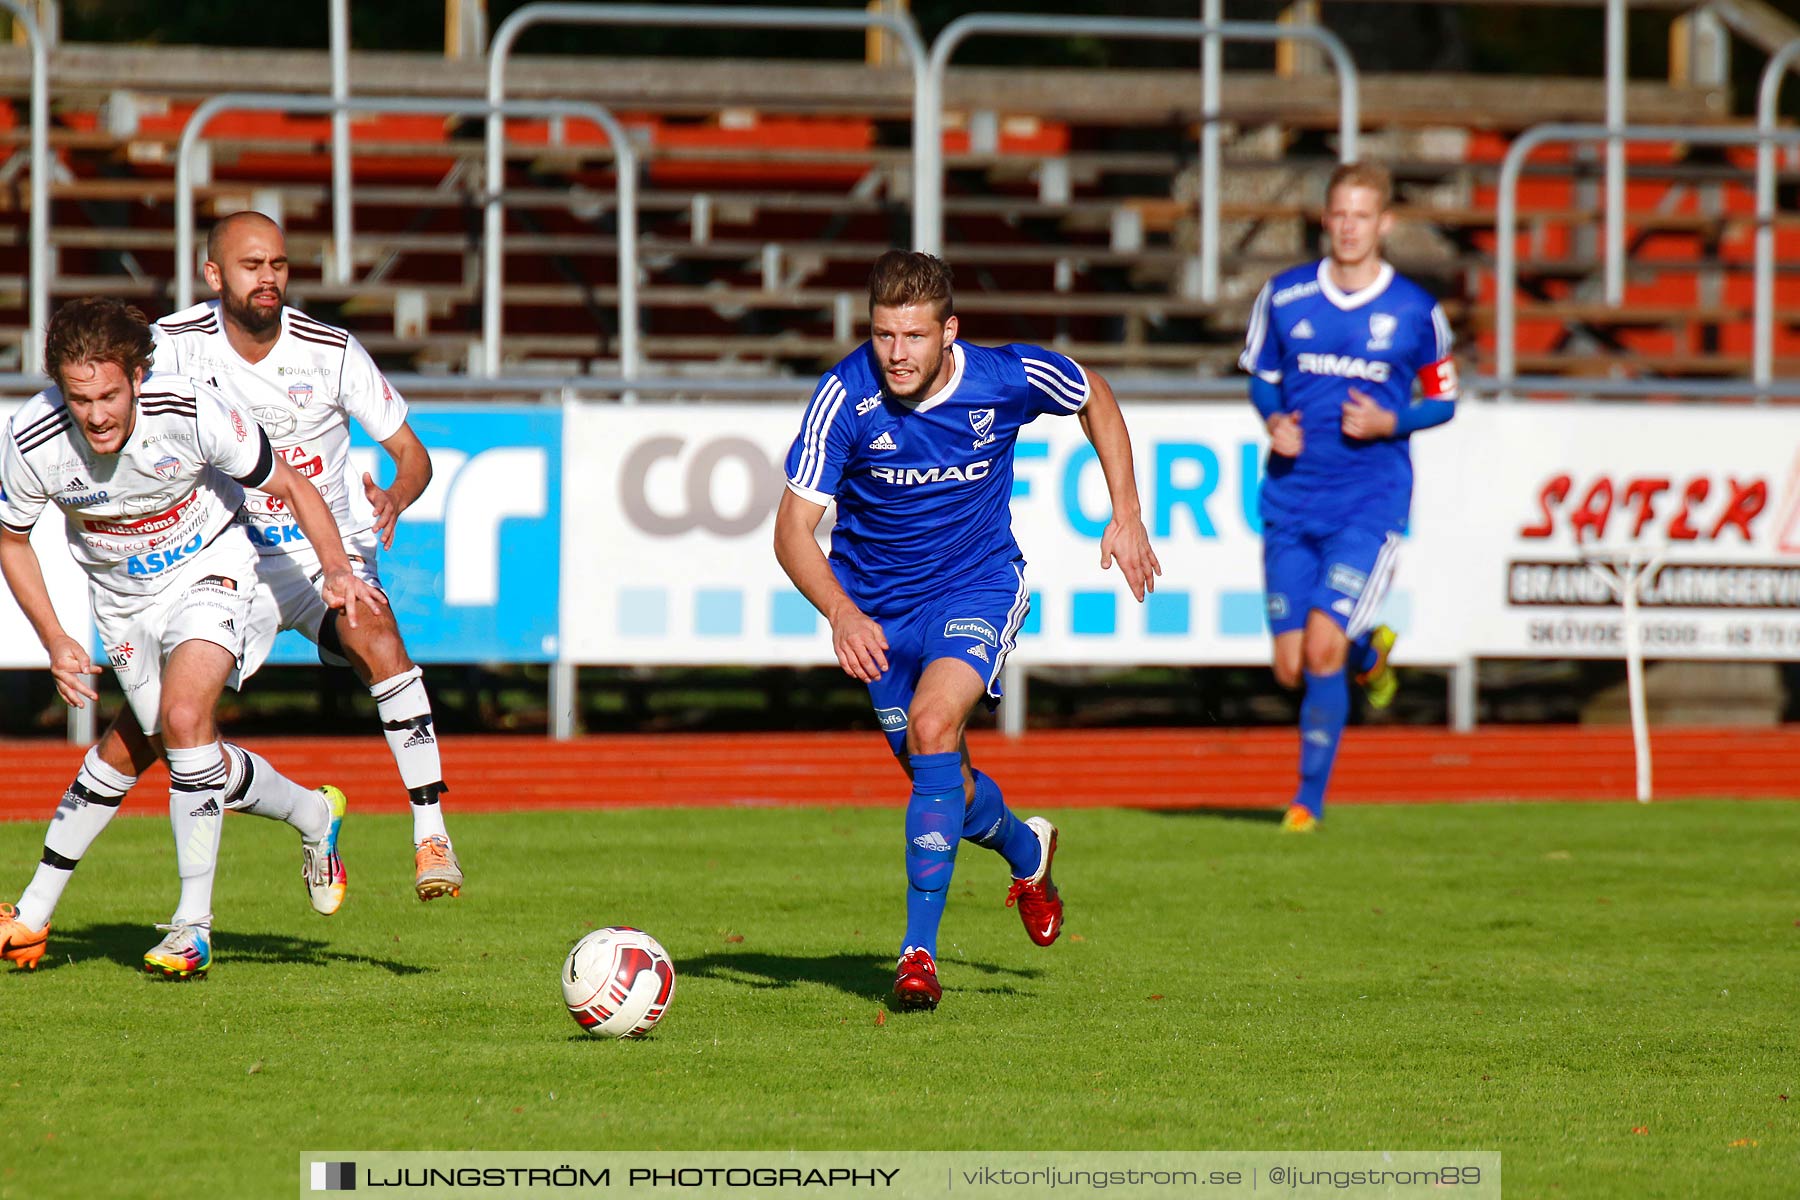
(1070, 207)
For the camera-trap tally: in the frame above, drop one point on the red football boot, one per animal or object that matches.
(1040, 905)
(916, 982)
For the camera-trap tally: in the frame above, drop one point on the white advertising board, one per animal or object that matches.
(1715, 490)
(669, 524)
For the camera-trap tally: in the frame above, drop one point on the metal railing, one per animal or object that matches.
(510, 30)
(492, 280)
(928, 151)
(1507, 219)
(343, 200)
(1768, 95)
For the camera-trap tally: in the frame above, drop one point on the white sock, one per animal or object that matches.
(90, 802)
(196, 814)
(405, 711)
(257, 788)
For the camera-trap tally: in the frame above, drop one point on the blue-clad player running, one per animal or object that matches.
(912, 436)
(1334, 349)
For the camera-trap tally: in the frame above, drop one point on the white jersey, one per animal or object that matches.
(136, 517)
(312, 380)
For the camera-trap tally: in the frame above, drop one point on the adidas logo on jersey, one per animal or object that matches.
(979, 651)
(883, 441)
(1303, 330)
(933, 841)
(1343, 607)
(228, 625)
(209, 809)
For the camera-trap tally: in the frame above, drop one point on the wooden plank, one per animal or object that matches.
(89, 72)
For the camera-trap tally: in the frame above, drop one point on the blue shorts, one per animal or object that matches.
(976, 622)
(1341, 571)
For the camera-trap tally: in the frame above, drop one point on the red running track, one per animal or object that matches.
(1167, 768)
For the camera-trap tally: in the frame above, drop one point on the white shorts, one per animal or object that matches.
(209, 601)
(288, 595)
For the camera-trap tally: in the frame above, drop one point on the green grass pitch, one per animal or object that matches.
(1604, 993)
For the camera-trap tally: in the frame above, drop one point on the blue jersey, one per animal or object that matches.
(1317, 342)
(924, 490)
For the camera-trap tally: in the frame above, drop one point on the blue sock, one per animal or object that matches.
(991, 824)
(1363, 655)
(934, 822)
(1322, 715)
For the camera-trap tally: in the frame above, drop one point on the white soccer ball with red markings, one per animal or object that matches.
(618, 982)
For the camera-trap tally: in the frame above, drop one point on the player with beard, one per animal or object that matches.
(912, 437)
(303, 380)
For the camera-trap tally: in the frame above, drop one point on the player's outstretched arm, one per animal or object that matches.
(858, 641)
(412, 475)
(342, 588)
(1125, 538)
(70, 665)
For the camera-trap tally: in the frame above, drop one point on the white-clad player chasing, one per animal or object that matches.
(303, 381)
(149, 471)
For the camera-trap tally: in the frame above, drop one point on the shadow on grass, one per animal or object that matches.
(125, 945)
(1227, 812)
(865, 976)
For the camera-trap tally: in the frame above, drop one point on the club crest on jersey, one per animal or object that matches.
(981, 420)
(167, 466)
(1381, 330)
(300, 394)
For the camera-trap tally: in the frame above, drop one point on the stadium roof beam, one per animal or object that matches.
(446, 105)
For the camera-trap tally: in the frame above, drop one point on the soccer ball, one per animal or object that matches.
(618, 982)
